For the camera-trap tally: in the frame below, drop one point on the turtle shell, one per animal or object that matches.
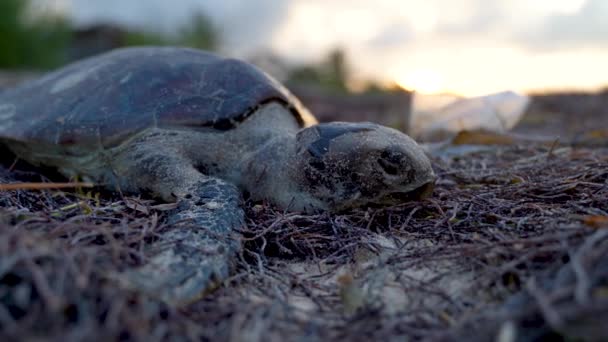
(102, 101)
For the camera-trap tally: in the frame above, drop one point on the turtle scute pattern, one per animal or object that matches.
(101, 101)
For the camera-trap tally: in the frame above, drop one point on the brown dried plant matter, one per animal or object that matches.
(507, 244)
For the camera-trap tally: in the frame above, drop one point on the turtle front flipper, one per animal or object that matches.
(198, 251)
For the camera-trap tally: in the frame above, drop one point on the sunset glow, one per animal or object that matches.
(423, 81)
(465, 46)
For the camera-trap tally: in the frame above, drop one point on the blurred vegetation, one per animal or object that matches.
(197, 33)
(331, 73)
(138, 38)
(28, 40)
(373, 87)
(31, 39)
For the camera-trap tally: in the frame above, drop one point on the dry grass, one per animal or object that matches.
(512, 242)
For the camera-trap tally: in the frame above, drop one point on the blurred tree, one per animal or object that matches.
(331, 74)
(33, 38)
(34, 41)
(199, 33)
(139, 38)
(306, 74)
(336, 69)
(374, 87)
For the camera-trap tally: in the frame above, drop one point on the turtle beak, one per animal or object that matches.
(418, 194)
(423, 192)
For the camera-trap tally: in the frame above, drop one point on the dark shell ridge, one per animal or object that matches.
(106, 99)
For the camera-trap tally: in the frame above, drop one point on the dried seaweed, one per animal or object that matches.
(512, 242)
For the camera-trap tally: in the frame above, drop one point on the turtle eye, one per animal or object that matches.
(317, 164)
(388, 167)
(391, 161)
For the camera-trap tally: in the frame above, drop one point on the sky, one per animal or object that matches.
(469, 47)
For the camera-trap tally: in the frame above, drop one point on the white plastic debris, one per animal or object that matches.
(434, 115)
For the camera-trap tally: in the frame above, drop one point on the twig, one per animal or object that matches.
(43, 186)
(583, 283)
(544, 304)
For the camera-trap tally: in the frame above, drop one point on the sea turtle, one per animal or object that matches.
(189, 126)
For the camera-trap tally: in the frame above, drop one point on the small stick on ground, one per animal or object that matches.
(44, 186)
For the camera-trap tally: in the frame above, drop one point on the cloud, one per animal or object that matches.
(247, 26)
(474, 17)
(588, 27)
(304, 29)
(477, 45)
(392, 36)
(243, 25)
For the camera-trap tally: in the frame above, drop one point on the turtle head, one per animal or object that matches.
(344, 165)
